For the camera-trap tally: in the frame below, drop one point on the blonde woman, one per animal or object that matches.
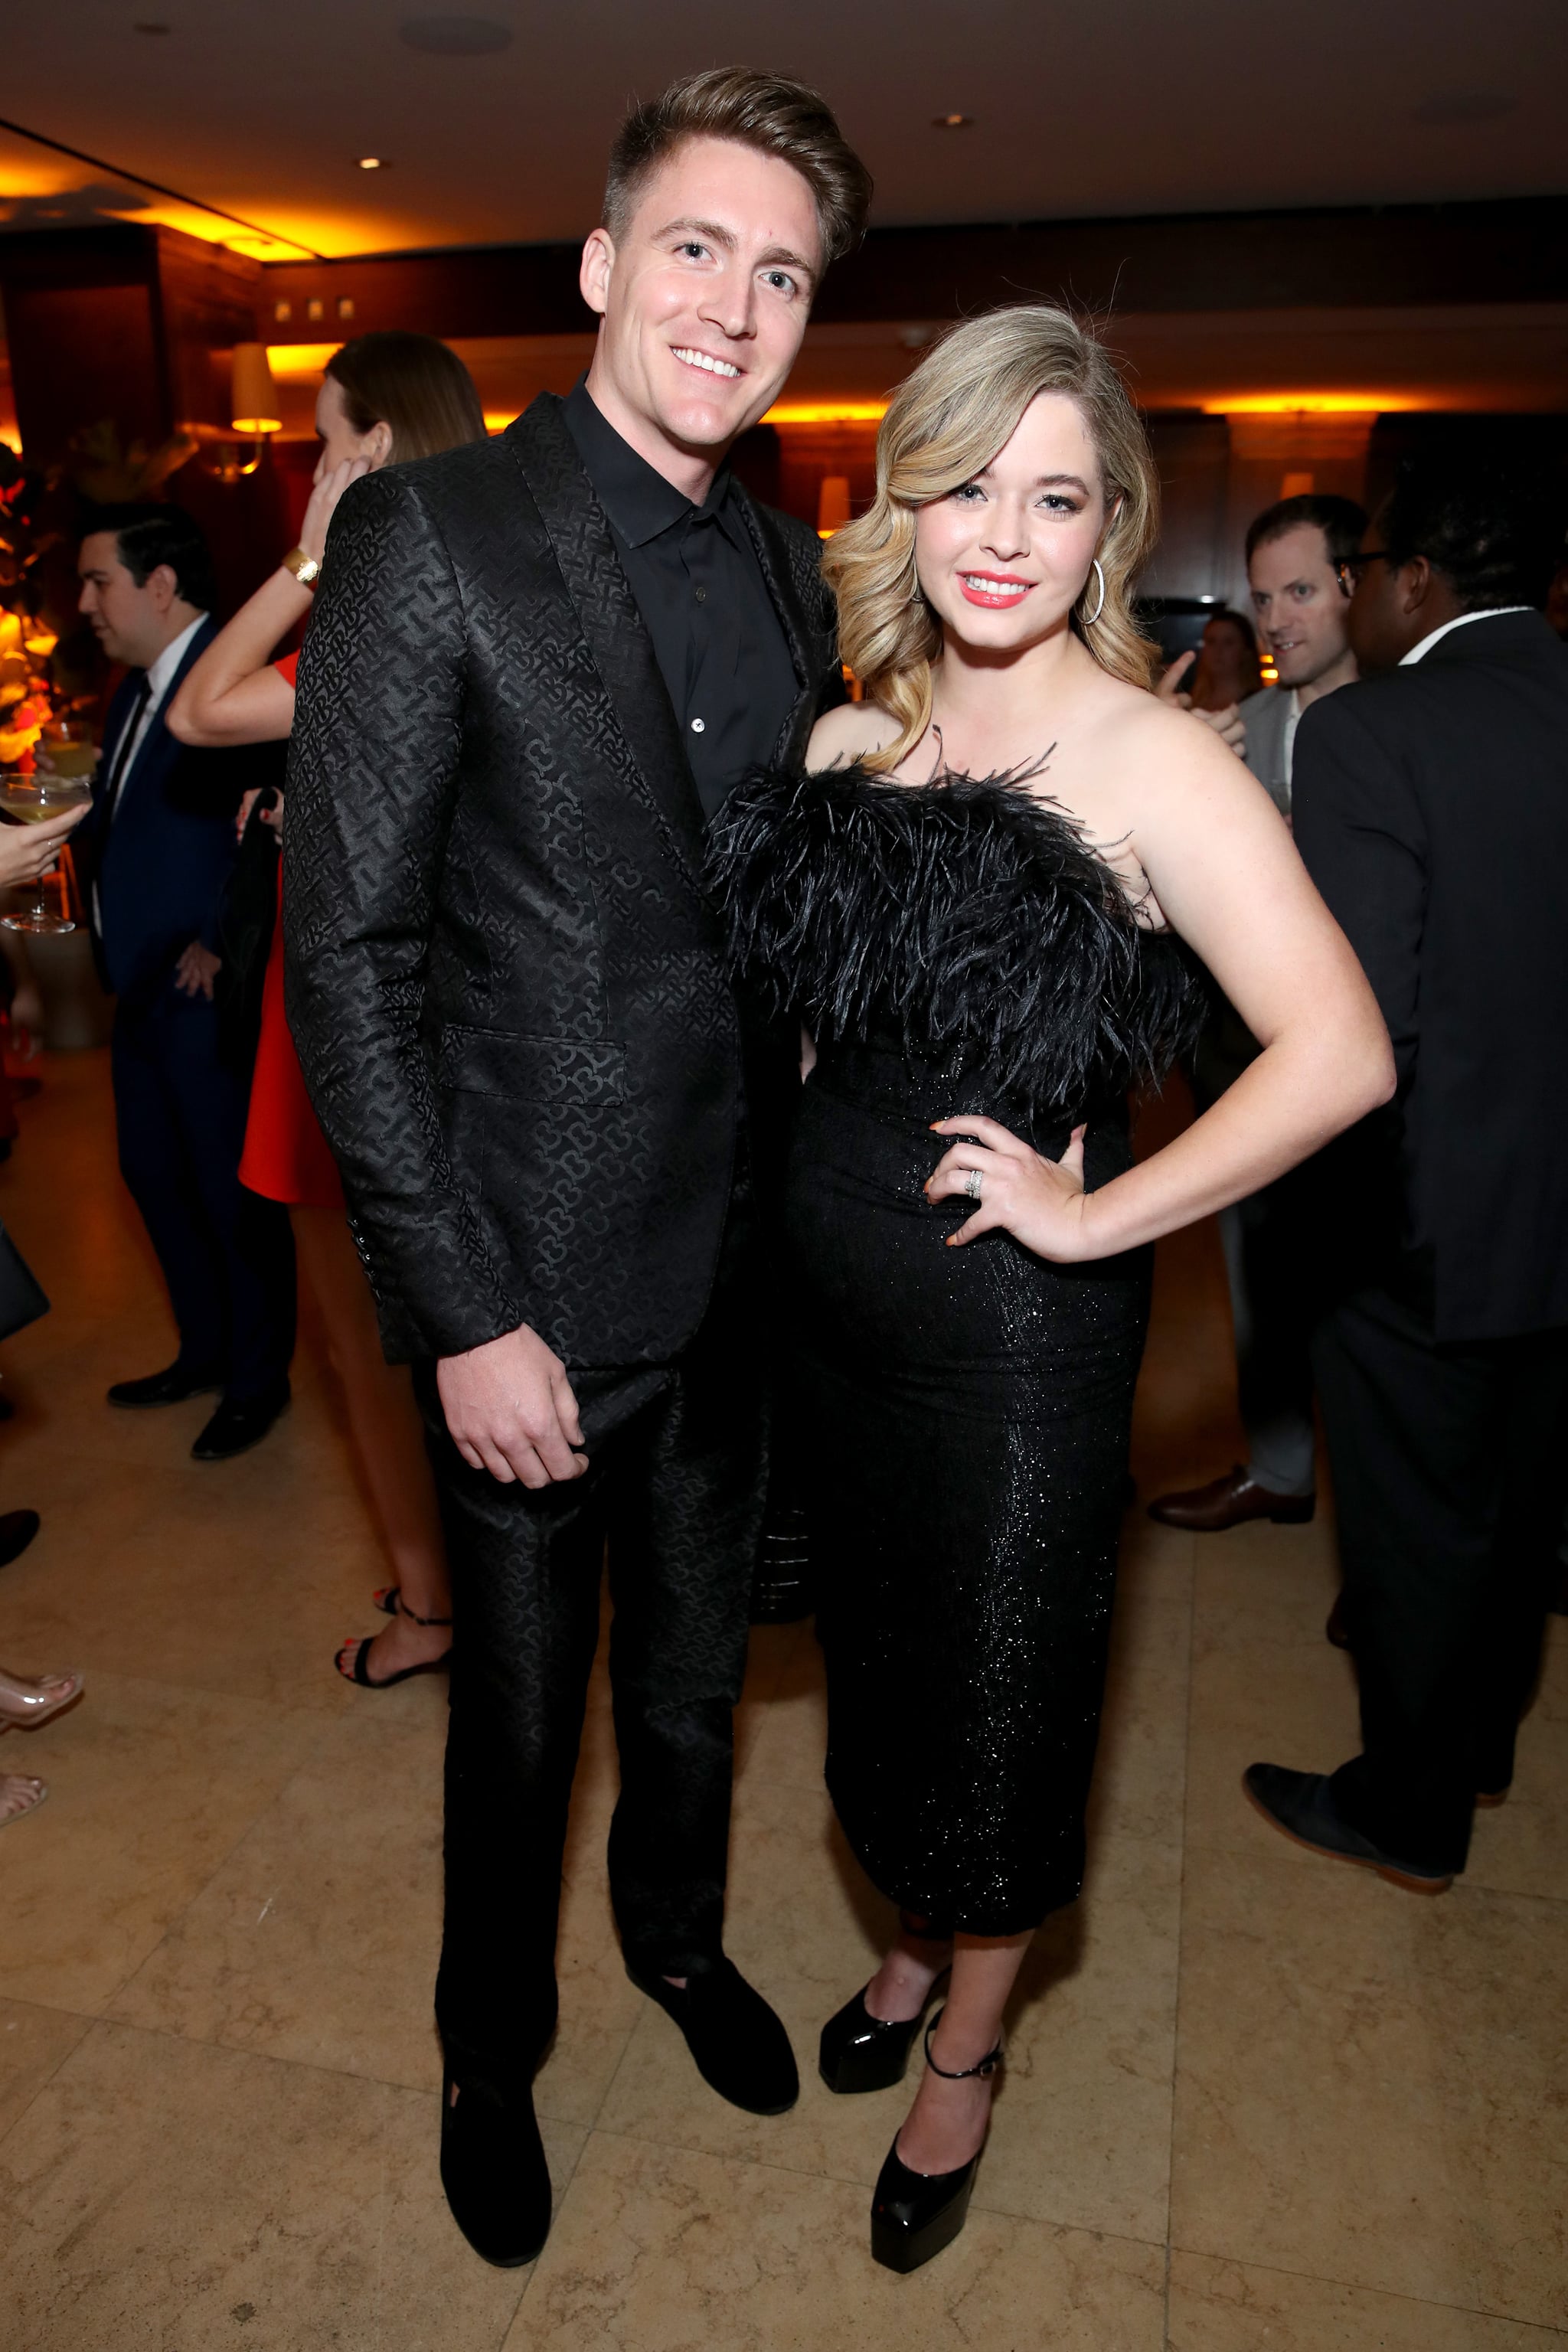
(980, 899)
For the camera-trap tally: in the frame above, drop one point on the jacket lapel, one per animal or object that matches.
(806, 650)
(606, 613)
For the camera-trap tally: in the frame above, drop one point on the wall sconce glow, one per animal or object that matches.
(371, 163)
(254, 406)
(952, 122)
(1310, 404)
(827, 412)
(832, 504)
(297, 362)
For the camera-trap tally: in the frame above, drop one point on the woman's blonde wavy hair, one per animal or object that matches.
(946, 422)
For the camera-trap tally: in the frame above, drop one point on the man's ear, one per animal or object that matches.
(594, 274)
(1414, 584)
(164, 581)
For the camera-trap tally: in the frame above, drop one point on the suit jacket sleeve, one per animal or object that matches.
(372, 786)
(1360, 831)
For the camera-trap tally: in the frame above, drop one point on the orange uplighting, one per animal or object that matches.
(297, 362)
(1309, 403)
(827, 412)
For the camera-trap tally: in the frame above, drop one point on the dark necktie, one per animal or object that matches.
(123, 749)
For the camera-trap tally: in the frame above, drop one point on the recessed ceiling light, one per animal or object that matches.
(454, 37)
(371, 163)
(952, 122)
(1452, 109)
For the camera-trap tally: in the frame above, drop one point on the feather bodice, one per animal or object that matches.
(970, 916)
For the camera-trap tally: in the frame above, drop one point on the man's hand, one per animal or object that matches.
(196, 971)
(1228, 724)
(511, 1410)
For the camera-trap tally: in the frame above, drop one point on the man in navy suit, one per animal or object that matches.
(156, 853)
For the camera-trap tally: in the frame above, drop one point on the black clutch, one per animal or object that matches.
(22, 1300)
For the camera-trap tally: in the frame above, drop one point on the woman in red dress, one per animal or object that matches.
(385, 396)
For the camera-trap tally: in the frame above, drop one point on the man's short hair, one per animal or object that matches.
(1492, 530)
(149, 535)
(763, 110)
(1341, 521)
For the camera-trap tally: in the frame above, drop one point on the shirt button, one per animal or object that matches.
(700, 594)
(699, 726)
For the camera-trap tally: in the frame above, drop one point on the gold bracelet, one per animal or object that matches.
(307, 569)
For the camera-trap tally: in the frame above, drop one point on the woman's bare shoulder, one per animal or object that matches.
(847, 733)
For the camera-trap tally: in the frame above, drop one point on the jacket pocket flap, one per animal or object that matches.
(537, 1069)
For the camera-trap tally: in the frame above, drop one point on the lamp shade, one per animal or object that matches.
(253, 396)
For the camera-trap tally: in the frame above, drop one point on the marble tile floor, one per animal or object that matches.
(1254, 2102)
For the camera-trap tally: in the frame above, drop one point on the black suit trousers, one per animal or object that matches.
(674, 1491)
(227, 1256)
(1447, 1464)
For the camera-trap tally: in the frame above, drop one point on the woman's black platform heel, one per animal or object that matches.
(861, 2052)
(915, 2214)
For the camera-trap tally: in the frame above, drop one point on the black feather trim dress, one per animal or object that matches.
(954, 947)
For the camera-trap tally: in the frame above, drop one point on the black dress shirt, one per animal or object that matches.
(719, 643)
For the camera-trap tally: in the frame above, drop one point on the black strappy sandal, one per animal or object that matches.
(915, 2214)
(357, 1672)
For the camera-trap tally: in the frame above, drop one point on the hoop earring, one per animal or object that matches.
(1090, 618)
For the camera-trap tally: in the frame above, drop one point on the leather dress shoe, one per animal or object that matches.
(493, 2171)
(862, 2053)
(741, 2047)
(17, 1529)
(781, 1590)
(1226, 1502)
(169, 1387)
(235, 1427)
(1301, 1806)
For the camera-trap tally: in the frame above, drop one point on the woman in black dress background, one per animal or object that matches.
(975, 899)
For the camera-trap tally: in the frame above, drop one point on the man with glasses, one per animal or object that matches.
(1294, 554)
(1432, 812)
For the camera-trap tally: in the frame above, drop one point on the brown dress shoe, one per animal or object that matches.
(1226, 1502)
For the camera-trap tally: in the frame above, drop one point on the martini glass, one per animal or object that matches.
(29, 800)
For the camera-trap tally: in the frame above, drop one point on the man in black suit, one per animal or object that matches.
(535, 667)
(156, 853)
(1431, 807)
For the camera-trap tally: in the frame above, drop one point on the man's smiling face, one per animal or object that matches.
(705, 296)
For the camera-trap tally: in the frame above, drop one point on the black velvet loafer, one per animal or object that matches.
(1301, 1806)
(741, 2047)
(862, 2053)
(494, 2173)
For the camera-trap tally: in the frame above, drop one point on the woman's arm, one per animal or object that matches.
(233, 694)
(1222, 866)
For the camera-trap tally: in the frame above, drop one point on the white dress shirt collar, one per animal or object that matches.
(161, 673)
(1458, 621)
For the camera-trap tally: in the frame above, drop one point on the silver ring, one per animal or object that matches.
(972, 1184)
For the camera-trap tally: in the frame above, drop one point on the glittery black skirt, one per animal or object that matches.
(969, 1413)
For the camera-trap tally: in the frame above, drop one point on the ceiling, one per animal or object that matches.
(261, 107)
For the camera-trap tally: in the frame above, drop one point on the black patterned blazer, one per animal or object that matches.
(504, 976)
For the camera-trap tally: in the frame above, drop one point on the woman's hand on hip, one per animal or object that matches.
(1039, 1201)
